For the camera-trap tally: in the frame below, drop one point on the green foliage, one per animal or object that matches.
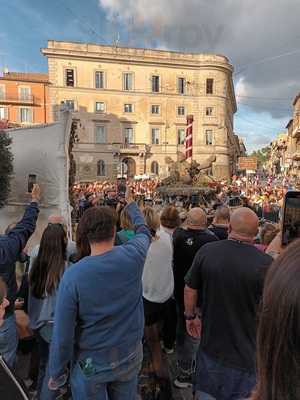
(262, 155)
(72, 167)
(6, 166)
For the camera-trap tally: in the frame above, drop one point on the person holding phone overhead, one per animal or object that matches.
(11, 246)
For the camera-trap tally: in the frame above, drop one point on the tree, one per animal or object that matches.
(6, 166)
(262, 155)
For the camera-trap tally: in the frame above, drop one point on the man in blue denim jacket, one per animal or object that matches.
(99, 318)
(11, 246)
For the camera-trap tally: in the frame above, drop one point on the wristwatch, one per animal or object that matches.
(190, 317)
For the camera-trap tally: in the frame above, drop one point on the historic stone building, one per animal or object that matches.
(131, 106)
(293, 151)
(285, 149)
(279, 161)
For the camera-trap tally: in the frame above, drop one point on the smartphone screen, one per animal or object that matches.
(291, 217)
(31, 182)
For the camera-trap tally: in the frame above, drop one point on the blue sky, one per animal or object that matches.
(26, 25)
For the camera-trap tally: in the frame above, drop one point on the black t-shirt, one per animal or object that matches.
(230, 277)
(186, 243)
(221, 231)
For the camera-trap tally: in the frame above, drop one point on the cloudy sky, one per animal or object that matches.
(261, 39)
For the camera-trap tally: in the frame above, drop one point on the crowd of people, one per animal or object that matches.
(205, 279)
(263, 194)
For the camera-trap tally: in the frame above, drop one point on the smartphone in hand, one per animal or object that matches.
(31, 182)
(291, 217)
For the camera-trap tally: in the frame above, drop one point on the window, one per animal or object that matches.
(24, 93)
(99, 106)
(128, 108)
(69, 77)
(2, 91)
(128, 134)
(155, 83)
(209, 137)
(3, 113)
(100, 134)
(70, 105)
(209, 111)
(99, 80)
(209, 86)
(155, 109)
(128, 81)
(155, 135)
(181, 110)
(181, 85)
(181, 135)
(101, 168)
(25, 115)
(154, 167)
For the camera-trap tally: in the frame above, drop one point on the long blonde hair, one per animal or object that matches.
(152, 220)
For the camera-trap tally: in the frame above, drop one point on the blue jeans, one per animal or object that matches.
(186, 346)
(9, 340)
(219, 382)
(118, 383)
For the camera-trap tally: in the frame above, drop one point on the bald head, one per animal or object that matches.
(196, 219)
(56, 219)
(243, 224)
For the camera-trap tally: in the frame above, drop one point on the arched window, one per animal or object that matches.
(101, 168)
(154, 168)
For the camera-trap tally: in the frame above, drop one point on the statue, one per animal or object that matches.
(183, 172)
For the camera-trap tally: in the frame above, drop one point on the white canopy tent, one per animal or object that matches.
(40, 150)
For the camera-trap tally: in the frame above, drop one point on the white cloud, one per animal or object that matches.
(259, 38)
(140, 11)
(252, 34)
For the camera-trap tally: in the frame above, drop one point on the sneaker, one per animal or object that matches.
(168, 351)
(183, 381)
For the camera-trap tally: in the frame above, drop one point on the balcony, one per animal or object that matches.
(19, 100)
(132, 148)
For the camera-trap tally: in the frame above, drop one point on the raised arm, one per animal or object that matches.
(142, 239)
(13, 243)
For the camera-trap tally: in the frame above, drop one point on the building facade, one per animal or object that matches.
(285, 149)
(131, 107)
(293, 128)
(279, 161)
(24, 98)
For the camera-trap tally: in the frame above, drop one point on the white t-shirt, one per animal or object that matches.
(158, 279)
